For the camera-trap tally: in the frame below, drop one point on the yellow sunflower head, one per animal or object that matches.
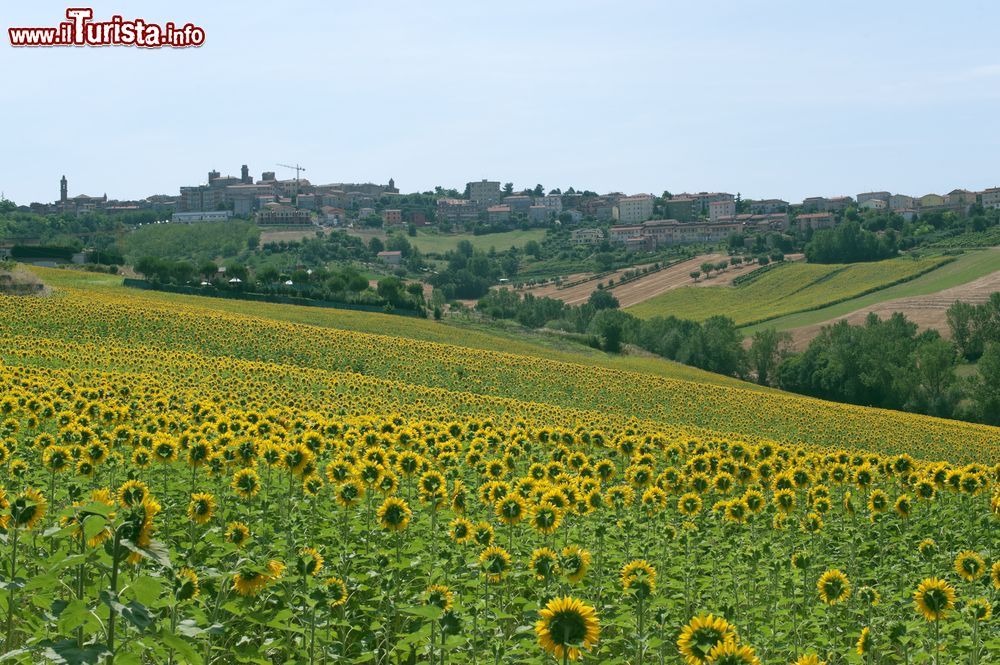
(567, 626)
(574, 563)
(440, 596)
(969, 565)
(701, 635)
(394, 514)
(934, 598)
(833, 587)
(639, 579)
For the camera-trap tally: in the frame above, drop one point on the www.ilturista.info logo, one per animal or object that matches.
(81, 30)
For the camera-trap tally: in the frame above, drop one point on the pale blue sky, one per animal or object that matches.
(764, 97)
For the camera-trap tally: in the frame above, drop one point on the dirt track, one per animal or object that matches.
(927, 311)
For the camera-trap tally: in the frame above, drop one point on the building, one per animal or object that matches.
(766, 206)
(682, 208)
(902, 202)
(553, 202)
(586, 236)
(815, 221)
(873, 196)
(619, 234)
(874, 204)
(518, 203)
(991, 197)
(719, 209)
(392, 258)
(539, 214)
(457, 211)
(275, 214)
(498, 214)
(756, 223)
(663, 232)
(484, 193)
(634, 209)
(930, 201)
(824, 204)
(202, 216)
(392, 216)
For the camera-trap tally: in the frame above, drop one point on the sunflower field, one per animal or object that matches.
(220, 489)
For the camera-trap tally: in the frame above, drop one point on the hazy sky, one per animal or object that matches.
(763, 97)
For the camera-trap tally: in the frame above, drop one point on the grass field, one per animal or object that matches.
(200, 481)
(786, 289)
(966, 268)
(439, 243)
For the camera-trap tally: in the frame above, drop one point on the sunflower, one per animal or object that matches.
(27, 509)
(201, 508)
(250, 581)
(904, 506)
(934, 598)
(440, 596)
(833, 587)
(185, 585)
(639, 578)
(878, 502)
(56, 459)
(979, 609)
(483, 533)
(869, 596)
(544, 564)
(394, 514)
(237, 533)
(995, 574)
(545, 518)
(310, 561)
(809, 659)
(927, 548)
(511, 509)
(784, 500)
(246, 483)
(864, 644)
(969, 565)
(574, 563)
(703, 633)
(132, 493)
(350, 492)
(566, 626)
(731, 652)
(495, 562)
(460, 530)
(689, 504)
(336, 591)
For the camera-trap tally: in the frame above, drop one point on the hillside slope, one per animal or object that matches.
(109, 329)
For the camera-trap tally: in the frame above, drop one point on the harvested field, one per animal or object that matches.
(927, 311)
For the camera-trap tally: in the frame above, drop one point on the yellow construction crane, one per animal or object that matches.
(297, 170)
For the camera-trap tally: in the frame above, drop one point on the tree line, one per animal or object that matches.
(881, 363)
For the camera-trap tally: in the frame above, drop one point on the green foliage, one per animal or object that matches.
(849, 243)
(197, 242)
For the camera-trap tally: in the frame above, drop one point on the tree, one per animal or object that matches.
(768, 349)
(707, 267)
(375, 245)
(533, 249)
(604, 260)
(932, 378)
(411, 230)
(539, 190)
(601, 299)
(985, 392)
(695, 274)
(609, 326)
(508, 188)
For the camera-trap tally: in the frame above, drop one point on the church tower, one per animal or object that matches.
(63, 191)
